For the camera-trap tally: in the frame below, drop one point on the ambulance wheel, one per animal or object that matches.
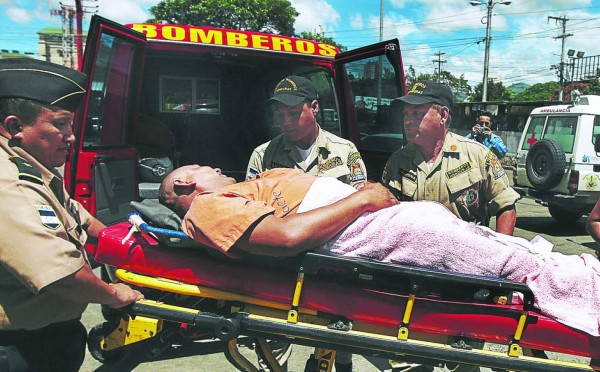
(94, 342)
(564, 216)
(545, 164)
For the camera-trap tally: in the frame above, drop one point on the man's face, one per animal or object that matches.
(297, 123)
(208, 178)
(485, 121)
(421, 123)
(49, 137)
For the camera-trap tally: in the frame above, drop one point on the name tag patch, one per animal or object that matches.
(48, 216)
(408, 175)
(463, 168)
(330, 164)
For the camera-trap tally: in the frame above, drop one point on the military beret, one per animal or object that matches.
(42, 82)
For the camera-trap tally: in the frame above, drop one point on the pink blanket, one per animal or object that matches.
(426, 234)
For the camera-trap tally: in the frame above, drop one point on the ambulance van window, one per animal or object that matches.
(596, 130)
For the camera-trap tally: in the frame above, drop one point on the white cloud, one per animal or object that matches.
(356, 22)
(394, 26)
(315, 13)
(125, 11)
(19, 15)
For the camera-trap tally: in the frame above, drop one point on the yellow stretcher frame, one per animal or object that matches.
(262, 319)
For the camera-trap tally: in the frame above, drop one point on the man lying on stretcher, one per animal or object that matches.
(283, 212)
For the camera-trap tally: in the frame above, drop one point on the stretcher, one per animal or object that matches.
(331, 303)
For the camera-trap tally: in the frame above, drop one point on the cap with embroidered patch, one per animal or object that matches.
(293, 90)
(428, 92)
(42, 82)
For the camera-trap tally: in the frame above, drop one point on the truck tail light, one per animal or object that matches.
(573, 182)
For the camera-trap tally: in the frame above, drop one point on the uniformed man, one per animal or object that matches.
(438, 165)
(304, 145)
(45, 282)
(442, 166)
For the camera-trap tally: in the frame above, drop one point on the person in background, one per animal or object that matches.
(45, 280)
(439, 165)
(304, 145)
(482, 133)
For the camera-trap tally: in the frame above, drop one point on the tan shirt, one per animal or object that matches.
(40, 243)
(466, 177)
(219, 218)
(331, 156)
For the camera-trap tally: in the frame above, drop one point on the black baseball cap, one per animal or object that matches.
(293, 90)
(423, 92)
(42, 82)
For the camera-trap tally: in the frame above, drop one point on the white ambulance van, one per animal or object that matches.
(556, 160)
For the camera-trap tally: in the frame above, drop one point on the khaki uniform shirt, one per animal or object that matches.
(331, 156)
(40, 244)
(239, 206)
(466, 177)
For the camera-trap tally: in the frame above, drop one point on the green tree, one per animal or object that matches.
(323, 39)
(496, 92)
(459, 85)
(538, 92)
(272, 16)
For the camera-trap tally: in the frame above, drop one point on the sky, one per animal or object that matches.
(525, 35)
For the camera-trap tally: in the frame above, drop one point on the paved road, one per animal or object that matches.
(533, 220)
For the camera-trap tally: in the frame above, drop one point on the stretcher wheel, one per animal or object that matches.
(94, 342)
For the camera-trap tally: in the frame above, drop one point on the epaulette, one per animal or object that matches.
(27, 172)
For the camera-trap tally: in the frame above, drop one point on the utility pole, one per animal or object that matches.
(563, 36)
(488, 29)
(67, 13)
(439, 62)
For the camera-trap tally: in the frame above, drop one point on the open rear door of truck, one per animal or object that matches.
(371, 77)
(101, 170)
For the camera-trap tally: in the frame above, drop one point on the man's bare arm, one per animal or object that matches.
(593, 222)
(505, 221)
(294, 234)
(85, 287)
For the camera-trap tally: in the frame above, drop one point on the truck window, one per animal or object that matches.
(534, 131)
(110, 94)
(562, 129)
(374, 86)
(189, 95)
(596, 130)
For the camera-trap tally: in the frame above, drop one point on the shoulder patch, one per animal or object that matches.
(353, 157)
(496, 167)
(27, 172)
(48, 216)
(252, 173)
